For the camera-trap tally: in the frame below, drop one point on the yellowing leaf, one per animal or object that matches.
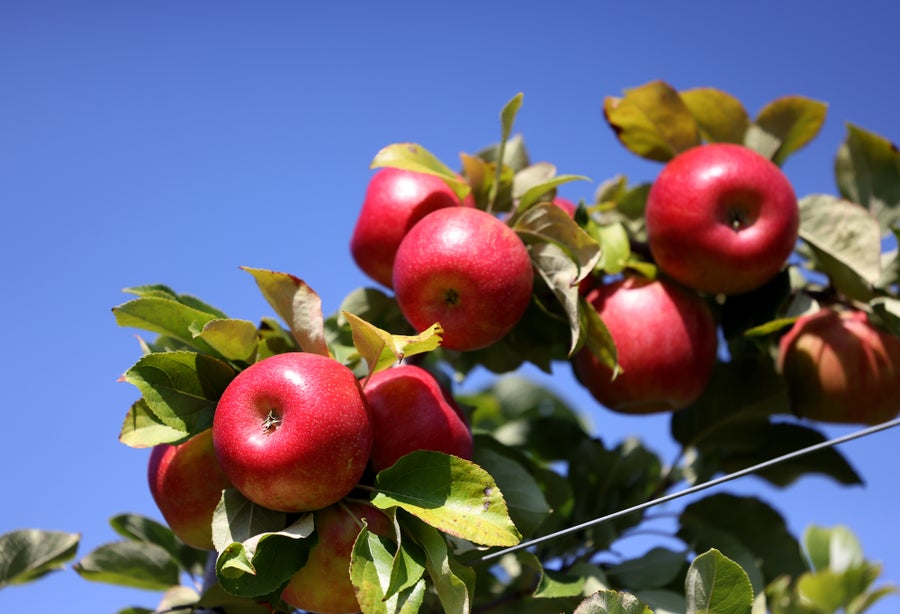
(414, 157)
(381, 349)
(720, 116)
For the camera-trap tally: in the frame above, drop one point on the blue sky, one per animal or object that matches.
(174, 142)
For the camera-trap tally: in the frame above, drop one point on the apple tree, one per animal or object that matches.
(714, 294)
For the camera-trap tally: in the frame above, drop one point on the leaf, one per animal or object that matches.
(297, 304)
(867, 169)
(163, 291)
(29, 554)
(654, 569)
(130, 563)
(507, 118)
(453, 582)
(142, 429)
(597, 338)
(373, 571)
(237, 519)
(717, 585)
(846, 241)
(652, 121)
(545, 222)
(181, 388)
(449, 493)
(612, 602)
(146, 530)
(261, 564)
(794, 121)
(835, 548)
(414, 157)
(615, 247)
(720, 116)
(165, 317)
(231, 339)
(380, 349)
(534, 193)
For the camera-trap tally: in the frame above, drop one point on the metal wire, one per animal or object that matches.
(697, 488)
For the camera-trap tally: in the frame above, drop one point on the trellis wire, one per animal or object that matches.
(697, 488)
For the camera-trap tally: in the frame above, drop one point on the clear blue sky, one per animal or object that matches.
(173, 142)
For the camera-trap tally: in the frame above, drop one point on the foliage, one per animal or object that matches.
(537, 468)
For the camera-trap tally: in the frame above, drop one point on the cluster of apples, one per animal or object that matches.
(298, 432)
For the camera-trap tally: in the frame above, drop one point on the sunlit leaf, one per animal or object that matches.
(165, 317)
(835, 548)
(232, 339)
(717, 585)
(381, 349)
(615, 247)
(612, 602)
(414, 157)
(652, 121)
(534, 193)
(453, 582)
(163, 291)
(130, 563)
(868, 172)
(720, 116)
(237, 519)
(794, 121)
(142, 429)
(29, 554)
(297, 304)
(449, 493)
(371, 571)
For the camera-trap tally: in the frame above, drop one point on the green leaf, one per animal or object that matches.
(867, 169)
(130, 563)
(835, 548)
(449, 493)
(414, 157)
(29, 554)
(794, 121)
(232, 339)
(380, 349)
(721, 117)
(612, 602)
(259, 565)
(597, 338)
(615, 247)
(652, 121)
(534, 193)
(717, 585)
(297, 304)
(142, 429)
(374, 572)
(181, 388)
(237, 519)
(654, 569)
(453, 582)
(165, 317)
(846, 242)
(146, 530)
(163, 291)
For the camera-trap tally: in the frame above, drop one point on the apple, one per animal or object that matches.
(395, 200)
(323, 583)
(186, 482)
(466, 269)
(566, 205)
(665, 338)
(840, 368)
(411, 411)
(721, 218)
(293, 431)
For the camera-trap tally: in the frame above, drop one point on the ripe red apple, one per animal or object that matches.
(721, 218)
(395, 200)
(466, 269)
(293, 432)
(186, 482)
(665, 336)
(323, 583)
(411, 411)
(840, 368)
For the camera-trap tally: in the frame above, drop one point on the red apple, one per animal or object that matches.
(466, 269)
(721, 218)
(395, 200)
(840, 368)
(186, 482)
(323, 583)
(411, 411)
(293, 432)
(665, 337)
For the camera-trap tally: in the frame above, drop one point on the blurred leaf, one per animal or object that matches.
(261, 564)
(612, 602)
(652, 121)
(534, 193)
(237, 519)
(615, 248)
(142, 429)
(526, 503)
(130, 563)
(297, 304)
(177, 599)
(654, 569)
(829, 591)
(721, 117)
(449, 493)
(371, 571)
(165, 317)
(231, 339)
(380, 349)
(515, 154)
(794, 121)
(453, 582)
(867, 168)
(846, 241)
(29, 554)
(597, 338)
(717, 585)
(375, 307)
(835, 548)
(887, 309)
(181, 388)
(414, 157)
